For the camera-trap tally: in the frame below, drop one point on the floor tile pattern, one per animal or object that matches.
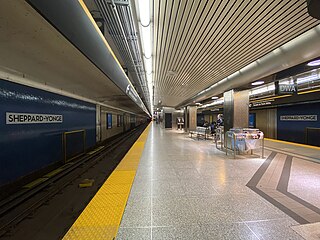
(187, 189)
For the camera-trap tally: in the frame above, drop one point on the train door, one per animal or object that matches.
(168, 120)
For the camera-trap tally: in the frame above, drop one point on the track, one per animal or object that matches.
(25, 202)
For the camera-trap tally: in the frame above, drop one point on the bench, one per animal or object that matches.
(200, 132)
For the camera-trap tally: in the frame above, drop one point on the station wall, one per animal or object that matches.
(266, 121)
(295, 130)
(26, 148)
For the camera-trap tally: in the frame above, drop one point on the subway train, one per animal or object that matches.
(41, 130)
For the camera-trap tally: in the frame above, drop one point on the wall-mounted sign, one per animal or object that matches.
(285, 88)
(29, 118)
(313, 118)
(259, 104)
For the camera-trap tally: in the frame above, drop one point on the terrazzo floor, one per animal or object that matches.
(187, 189)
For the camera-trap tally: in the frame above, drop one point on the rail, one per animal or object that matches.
(235, 146)
(200, 131)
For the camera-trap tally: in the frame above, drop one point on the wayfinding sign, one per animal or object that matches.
(312, 118)
(30, 118)
(286, 88)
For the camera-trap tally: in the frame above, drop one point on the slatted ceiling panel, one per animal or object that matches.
(164, 36)
(227, 9)
(157, 34)
(172, 34)
(249, 51)
(205, 41)
(173, 6)
(192, 36)
(180, 9)
(180, 29)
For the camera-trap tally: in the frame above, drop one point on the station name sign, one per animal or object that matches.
(286, 88)
(312, 118)
(30, 118)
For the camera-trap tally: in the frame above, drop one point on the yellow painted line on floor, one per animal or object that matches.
(102, 216)
(294, 144)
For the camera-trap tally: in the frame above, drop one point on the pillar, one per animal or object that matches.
(236, 109)
(192, 117)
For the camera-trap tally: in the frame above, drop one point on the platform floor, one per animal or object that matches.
(187, 189)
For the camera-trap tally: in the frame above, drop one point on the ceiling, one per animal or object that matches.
(31, 47)
(198, 43)
(123, 39)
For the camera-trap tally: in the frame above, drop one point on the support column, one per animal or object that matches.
(236, 109)
(186, 119)
(192, 117)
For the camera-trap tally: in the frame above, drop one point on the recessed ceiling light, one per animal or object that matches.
(171, 73)
(214, 97)
(257, 83)
(314, 63)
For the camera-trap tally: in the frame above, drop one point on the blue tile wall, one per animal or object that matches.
(26, 148)
(294, 131)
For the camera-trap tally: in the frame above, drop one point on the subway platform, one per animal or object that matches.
(182, 188)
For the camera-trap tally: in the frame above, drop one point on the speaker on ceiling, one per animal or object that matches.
(314, 8)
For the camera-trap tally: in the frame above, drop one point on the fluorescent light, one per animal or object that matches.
(260, 90)
(148, 64)
(146, 37)
(145, 27)
(309, 78)
(214, 97)
(172, 73)
(314, 63)
(144, 10)
(257, 83)
(217, 102)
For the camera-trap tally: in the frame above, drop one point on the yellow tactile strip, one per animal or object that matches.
(292, 143)
(101, 218)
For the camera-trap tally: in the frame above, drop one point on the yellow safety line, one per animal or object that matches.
(102, 216)
(294, 144)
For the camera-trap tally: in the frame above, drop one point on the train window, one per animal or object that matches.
(109, 120)
(252, 120)
(119, 121)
